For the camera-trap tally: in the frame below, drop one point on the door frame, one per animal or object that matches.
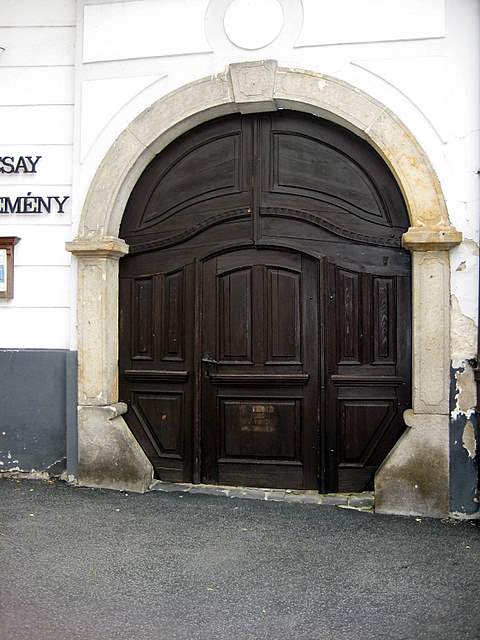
(109, 456)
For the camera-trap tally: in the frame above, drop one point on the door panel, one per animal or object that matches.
(283, 327)
(269, 430)
(367, 387)
(260, 415)
(161, 417)
(173, 317)
(156, 362)
(235, 316)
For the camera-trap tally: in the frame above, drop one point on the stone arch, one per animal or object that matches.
(108, 454)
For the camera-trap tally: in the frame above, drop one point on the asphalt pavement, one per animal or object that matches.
(89, 564)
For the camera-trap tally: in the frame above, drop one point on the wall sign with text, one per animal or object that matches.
(28, 203)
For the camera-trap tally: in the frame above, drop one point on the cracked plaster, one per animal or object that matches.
(463, 335)
(466, 395)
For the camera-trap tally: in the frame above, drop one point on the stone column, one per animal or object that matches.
(108, 454)
(414, 478)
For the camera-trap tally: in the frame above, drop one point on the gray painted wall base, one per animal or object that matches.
(464, 457)
(33, 410)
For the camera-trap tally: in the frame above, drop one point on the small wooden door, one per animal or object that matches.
(265, 330)
(260, 369)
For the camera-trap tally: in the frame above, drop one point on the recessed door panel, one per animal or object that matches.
(142, 307)
(161, 416)
(283, 328)
(348, 318)
(173, 316)
(235, 315)
(259, 427)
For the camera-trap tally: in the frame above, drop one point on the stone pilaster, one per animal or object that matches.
(414, 478)
(108, 454)
(97, 315)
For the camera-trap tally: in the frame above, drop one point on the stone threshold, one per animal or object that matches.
(360, 501)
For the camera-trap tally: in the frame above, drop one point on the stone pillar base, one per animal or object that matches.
(109, 457)
(413, 479)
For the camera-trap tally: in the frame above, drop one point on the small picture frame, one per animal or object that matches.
(6, 266)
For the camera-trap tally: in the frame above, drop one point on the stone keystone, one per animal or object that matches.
(253, 84)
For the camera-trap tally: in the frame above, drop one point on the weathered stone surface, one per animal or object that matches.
(334, 499)
(253, 84)
(250, 493)
(98, 247)
(169, 487)
(179, 105)
(113, 170)
(431, 238)
(413, 480)
(412, 168)
(98, 344)
(108, 455)
(276, 495)
(359, 501)
(303, 498)
(431, 332)
(333, 97)
(210, 491)
(97, 285)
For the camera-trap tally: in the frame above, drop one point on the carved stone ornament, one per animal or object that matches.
(253, 82)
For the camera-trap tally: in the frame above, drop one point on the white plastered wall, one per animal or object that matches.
(36, 118)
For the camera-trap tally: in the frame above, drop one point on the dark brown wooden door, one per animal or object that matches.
(265, 306)
(260, 369)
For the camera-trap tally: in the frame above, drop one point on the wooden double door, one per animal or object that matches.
(265, 307)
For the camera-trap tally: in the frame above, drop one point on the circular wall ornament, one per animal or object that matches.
(251, 24)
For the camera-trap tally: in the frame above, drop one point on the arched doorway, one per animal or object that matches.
(265, 314)
(108, 454)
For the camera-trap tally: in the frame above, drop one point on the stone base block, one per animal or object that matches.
(413, 480)
(109, 457)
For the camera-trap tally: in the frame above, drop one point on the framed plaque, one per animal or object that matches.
(6, 266)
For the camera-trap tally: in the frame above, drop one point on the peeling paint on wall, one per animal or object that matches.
(472, 246)
(469, 441)
(464, 436)
(465, 392)
(463, 335)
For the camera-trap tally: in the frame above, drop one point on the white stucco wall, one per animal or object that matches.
(418, 57)
(36, 118)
